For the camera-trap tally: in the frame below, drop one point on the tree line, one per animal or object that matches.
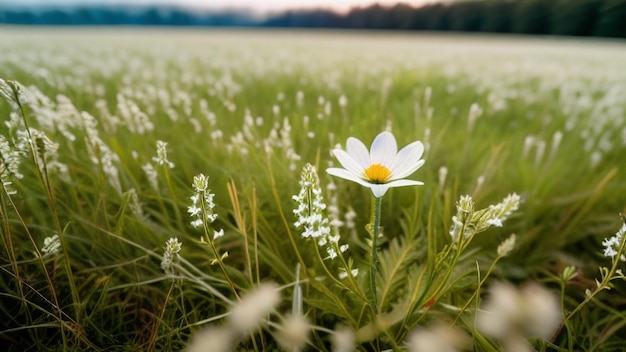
(605, 18)
(555, 17)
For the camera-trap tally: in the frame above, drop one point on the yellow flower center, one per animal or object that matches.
(377, 173)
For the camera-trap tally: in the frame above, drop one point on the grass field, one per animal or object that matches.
(113, 239)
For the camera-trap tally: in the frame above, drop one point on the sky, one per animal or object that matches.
(262, 6)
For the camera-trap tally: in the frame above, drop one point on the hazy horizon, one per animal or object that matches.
(256, 6)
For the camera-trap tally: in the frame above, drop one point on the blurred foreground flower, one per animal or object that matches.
(254, 307)
(293, 333)
(246, 315)
(511, 315)
(438, 337)
(380, 168)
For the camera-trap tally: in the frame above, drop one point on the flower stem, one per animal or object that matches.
(374, 254)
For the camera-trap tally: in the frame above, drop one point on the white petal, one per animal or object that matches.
(407, 161)
(379, 190)
(358, 151)
(348, 162)
(407, 169)
(402, 183)
(345, 174)
(384, 149)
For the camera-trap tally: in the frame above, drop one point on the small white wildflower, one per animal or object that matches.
(311, 219)
(443, 174)
(200, 183)
(472, 222)
(172, 248)
(194, 210)
(10, 91)
(10, 159)
(135, 120)
(51, 245)
(250, 312)
(344, 274)
(218, 233)
(46, 152)
(332, 254)
(311, 205)
(202, 204)
(161, 157)
(152, 175)
(197, 223)
(612, 244)
(135, 205)
(506, 246)
(495, 222)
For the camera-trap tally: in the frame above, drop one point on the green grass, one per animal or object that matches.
(220, 99)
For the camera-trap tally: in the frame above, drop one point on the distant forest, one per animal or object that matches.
(606, 18)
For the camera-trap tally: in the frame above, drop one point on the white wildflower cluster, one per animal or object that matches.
(22, 141)
(540, 147)
(10, 160)
(161, 157)
(51, 245)
(134, 204)
(9, 91)
(172, 248)
(201, 208)
(100, 153)
(135, 120)
(468, 222)
(109, 122)
(63, 117)
(152, 175)
(46, 152)
(511, 315)
(310, 213)
(612, 244)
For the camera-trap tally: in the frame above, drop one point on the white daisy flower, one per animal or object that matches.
(380, 168)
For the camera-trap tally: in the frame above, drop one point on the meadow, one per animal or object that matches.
(167, 190)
